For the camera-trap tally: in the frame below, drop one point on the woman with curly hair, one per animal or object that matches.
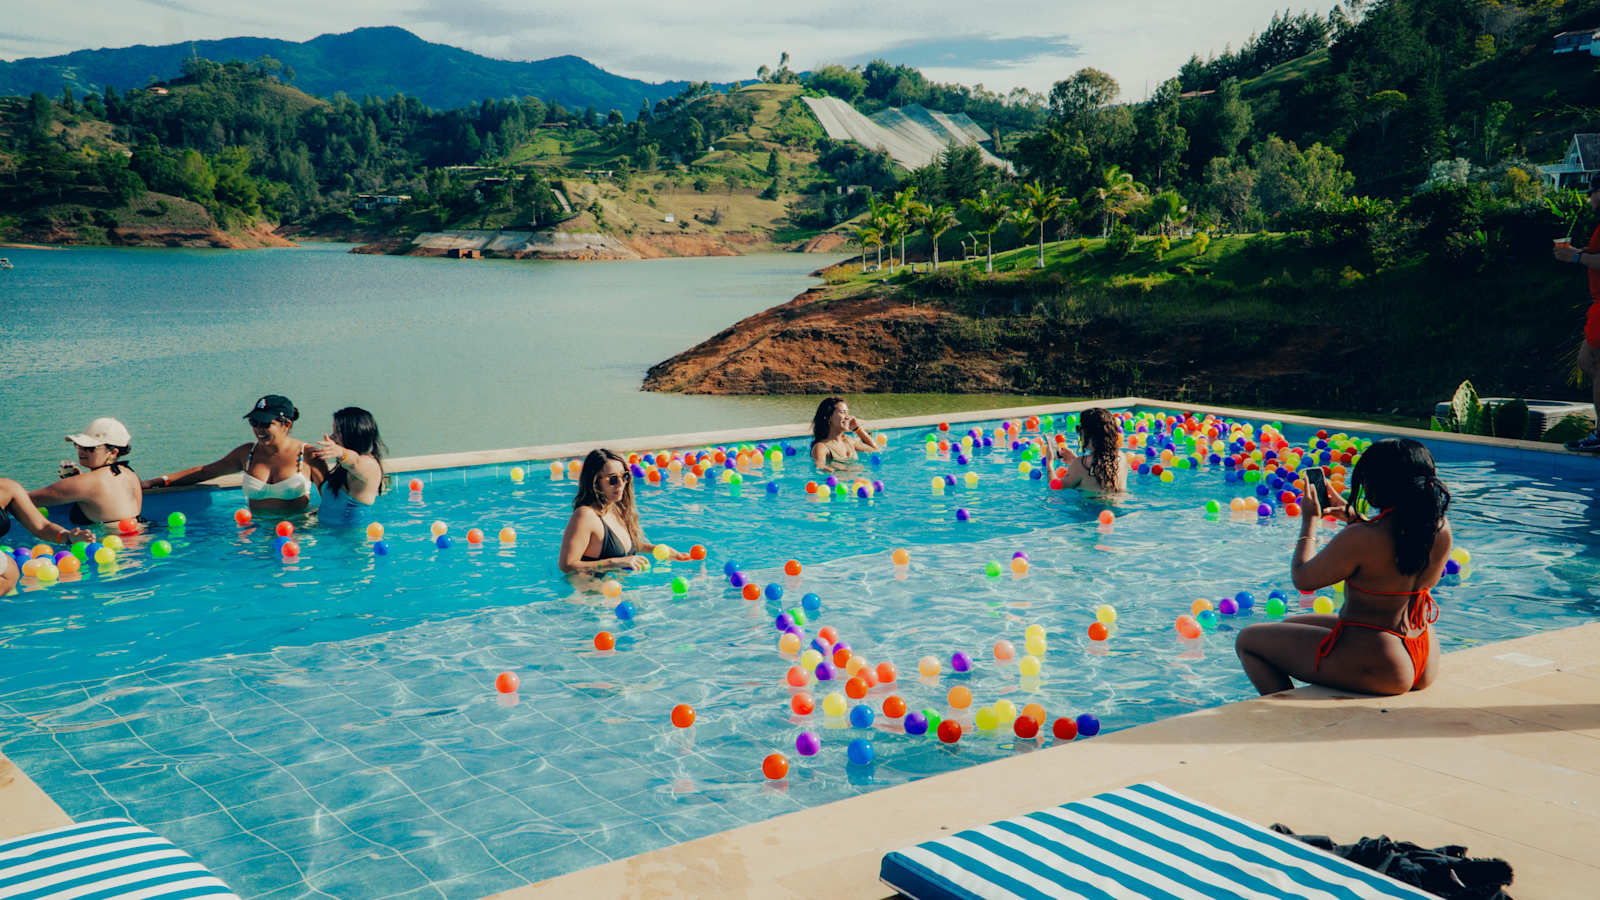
(1099, 466)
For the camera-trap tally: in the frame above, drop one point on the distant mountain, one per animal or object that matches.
(378, 61)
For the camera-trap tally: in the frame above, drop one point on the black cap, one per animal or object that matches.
(271, 408)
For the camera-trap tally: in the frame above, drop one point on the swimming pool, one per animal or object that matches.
(330, 726)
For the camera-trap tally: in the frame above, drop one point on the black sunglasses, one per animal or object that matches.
(614, 480)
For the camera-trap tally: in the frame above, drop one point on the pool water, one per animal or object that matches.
(329, 726)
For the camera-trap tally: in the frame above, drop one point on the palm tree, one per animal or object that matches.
(1041, 205)
(868, 236)
(1115, 196)
(985, 213)
(906, 207)
(936, 220)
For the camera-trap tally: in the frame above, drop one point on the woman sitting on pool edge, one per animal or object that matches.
(14, 503)
(1380, 642)
(603, 514)
(351, 457)
(836, 436)
(278, 470)
(108, 491)
(1100, 468)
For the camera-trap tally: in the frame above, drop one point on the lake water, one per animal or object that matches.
(448, 355)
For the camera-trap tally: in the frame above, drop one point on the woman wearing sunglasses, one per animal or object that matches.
(603, 533)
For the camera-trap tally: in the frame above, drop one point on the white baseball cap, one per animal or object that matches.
(104, 430)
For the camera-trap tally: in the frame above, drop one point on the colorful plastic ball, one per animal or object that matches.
(886, 673)
(474, 536)
(1276, 607)
(1227, 606)
(683, 715)
(624, 611)
(46, 573)
(810, 659)
(416, 484)
(789, 643)
(986, 719)
(1107, 517)
(69, 564)
(775, 766)
(1213, 508)
(1323, 605)
(128, 526)
(380, 548)
(928, 667)
(443, 542)
(802, 704)
(811, 602)
(730, 567)
(792, 567)
(916, 723)
(807, 743)
(516, 473)
(285, 528)
(661, 552)
(959, 697)
(697, 552)
(738, 580)
(861, 716)
(750, 591)
(962, 515)
(833, 704)
(1028, 665)
(1006, 710)
(177, 520)
(828, 633)
(859, 752)
(291, 550)
(1106, 614)
(992, 569)
(1188, 627)
(374, 532)
(78, 549)
(1064, 729)
(1098, 631)
(900, 557)
(1025, 727)
(507, 682)
(894, 706)
(1088, 726)
(1207, 620)
(604, 640)
(611, 588)
(1199, 606)
(1035, 712)
(1004, 651)
(242, 516)
(960, 662)
(1019, 565)
(949, 731)
(797, 676)
(1035, 644)
(159, 550)
(774, 591)
(1451, 567)
(680, 585)
(824, 671)
(1244, 600)
(856, 688)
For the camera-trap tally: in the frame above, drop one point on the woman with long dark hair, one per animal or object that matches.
(1380, 642)
(837, 436)
(1099, 466)
(603, 533)
(351, 455)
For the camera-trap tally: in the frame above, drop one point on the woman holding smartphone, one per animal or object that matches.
(603, 533)
(837, 436)
(1098, 467)
(1382, 641)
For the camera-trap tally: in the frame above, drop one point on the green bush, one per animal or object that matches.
(1121, 241)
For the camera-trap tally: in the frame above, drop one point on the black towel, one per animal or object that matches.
(1443, 871)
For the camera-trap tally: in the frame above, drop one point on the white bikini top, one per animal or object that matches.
(294, 487)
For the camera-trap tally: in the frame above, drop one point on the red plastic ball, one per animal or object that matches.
(775, 766)
(290, 550)
(1064, 729)
(802, 704)
(950, 731)
(683, 715)
(128, 526)
(604, 641)
(1098, 632)
(697, 552)
(416, 485)
(1025, 727)
(242, 516)
(507, 682)
(285, 528)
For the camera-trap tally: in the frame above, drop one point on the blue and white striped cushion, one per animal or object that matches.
(105, 858)
(1143, 841)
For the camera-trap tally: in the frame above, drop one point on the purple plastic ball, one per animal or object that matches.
(916, 723)
(1227, 606)
(960, 661)
(824, 671)
(962, 515)
(1451, 567)
(737, 579)
(808, 744)
(1022, 555)
(783, 622)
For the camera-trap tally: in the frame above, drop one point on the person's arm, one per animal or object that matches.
(819, 454)
(1578, 255)
(865, 440)
(15, 500)
(67, 490)
(233, 462)
(582, 527)
(1339, 560)
(646, 547)
(1075, 473)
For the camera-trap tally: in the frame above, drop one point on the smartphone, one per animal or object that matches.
(1315, 479)
(67, 469)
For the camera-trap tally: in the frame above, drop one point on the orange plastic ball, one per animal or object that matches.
(775, 766)
(751, 591)
(604, 641)
(1188, 627)
(1098, 632)
(416, 485)
(1106, 517)
(886, 672)
(802, 704)
(1003, 650)
(128, 526)
(285, 528)
(69, 565)
(697, 552)
(893, 706)
(291, 550)
(797, 676)
(242, 516)
(901, 557)
(789, 643)
(1200, 606)
(683, 715)
(474, 536)
(959, 697)
(841, 657)
(507, 682)
(855, 688)
(792, 567)
(829, 634)
(1019, 566)
(1035, 712)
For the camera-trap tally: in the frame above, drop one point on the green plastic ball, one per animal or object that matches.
(177, 520)
(798, 616)
(79, 549)
(161, 549)
(933, 721)
(680, 585)
(1275, 607)
(1213, 507)
(992, 569)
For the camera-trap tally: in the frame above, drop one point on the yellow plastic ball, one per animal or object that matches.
(1106, 614)
(809, 660)
(105, 556)
(438, 528)
(1028, 665)
(1032, 630)
(971, 479)
(1339, 588)
(508, 535)
(1461, 556)
(937, 485)
(986, 719)
(1322, 605)
(555, 471)
(789, 643)
(1166, 476)
(517, 473)
(1005, 711)
(611, 588)
(928, 666)
(662, 553)
(1035, 645)
(833, 704)
(1024, 467)
(375, 532)
(46, 574)
(111, 542)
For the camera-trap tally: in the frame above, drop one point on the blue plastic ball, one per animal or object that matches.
(772, 487)
(380, 548)
(916, 723)
(624, 611)
(788, 450)
(774, 591)
(861, 715)
(822, 646)
(443, 542)
(1088, 726)
(961, 459)
(949, 480)
(811, 602)
(730, 567)
(875, 459)
(860, 752)
(1037, 474)
(862, 492)
(1451, 567)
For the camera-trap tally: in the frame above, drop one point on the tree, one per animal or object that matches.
(40, 113)
(936, 220)
(1287, 180)
(1041, 206)
(906, 208)
(773, 168)
(1230, 186)
(985, 213)
(1162, 139)
(846, 84)
(1074, 99)
(869, 237)
(1114, 197)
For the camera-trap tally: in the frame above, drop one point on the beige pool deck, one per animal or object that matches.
(1501, 754)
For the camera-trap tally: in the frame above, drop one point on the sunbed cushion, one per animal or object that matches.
(1143, 841)
(104, 858)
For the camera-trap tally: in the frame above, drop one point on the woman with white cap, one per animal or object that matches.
(107, 490)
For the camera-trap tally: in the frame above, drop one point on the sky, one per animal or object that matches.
(1000, 44)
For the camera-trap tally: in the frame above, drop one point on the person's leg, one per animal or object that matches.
(1274, 653)
(1589, 364)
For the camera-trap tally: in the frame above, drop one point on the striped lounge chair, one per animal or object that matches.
(1143, 841)
(106, 858)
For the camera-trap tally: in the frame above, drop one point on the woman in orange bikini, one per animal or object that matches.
(1380, 642)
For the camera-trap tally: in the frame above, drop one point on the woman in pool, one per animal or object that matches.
(108, 491)
(279, 471)
(351, 457)
(603, 533)
(1099, 468)
(1380, 642)
(14, 503)
(837, 436)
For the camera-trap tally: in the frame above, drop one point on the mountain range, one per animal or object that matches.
(381, 62)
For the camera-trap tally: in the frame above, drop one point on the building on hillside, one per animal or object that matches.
(1190, 95)
(158, 90)
(1584, 40)
(373, 201)
(1581, 163)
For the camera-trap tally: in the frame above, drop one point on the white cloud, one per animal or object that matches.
(1138, 41)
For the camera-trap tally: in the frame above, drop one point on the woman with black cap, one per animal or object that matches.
(278, 470)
